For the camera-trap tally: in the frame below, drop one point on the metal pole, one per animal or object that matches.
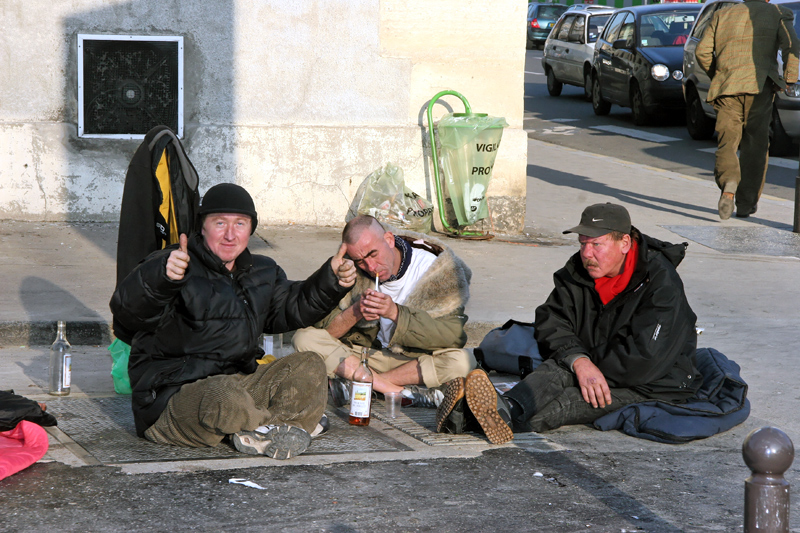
(796, 228)
(768, 452)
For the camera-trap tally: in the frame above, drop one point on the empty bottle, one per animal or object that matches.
(361, 393)
(60, 363)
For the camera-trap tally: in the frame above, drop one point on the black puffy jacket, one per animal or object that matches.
(209, 322)
(644, 339)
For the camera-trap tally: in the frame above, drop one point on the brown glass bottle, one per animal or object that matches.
(361, 393)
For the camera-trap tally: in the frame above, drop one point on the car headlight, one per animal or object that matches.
(793, 90)
(659, 72)
(677, 74)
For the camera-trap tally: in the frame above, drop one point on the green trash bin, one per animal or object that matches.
(469, 144)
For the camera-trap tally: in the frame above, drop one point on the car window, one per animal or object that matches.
(596, 25)
(563, 33)
(531, 9)
(550, 12)
(576, 33)
(612, 29)
(668, 28)
(705, 18)
(627, 31)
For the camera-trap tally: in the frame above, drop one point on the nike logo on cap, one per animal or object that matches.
(597, 219)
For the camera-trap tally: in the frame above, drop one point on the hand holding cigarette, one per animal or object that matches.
(375, 305)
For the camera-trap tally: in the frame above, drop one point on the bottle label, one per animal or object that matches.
(361, 399)
(67, 370)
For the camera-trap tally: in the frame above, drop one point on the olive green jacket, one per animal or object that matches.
(432, 317)
(739, 48)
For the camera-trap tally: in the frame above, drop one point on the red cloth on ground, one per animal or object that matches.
(21, 447)
(608, 288)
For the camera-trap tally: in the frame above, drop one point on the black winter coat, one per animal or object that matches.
(209, 323)
(644, 339)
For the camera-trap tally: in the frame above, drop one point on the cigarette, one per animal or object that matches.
(376, 282)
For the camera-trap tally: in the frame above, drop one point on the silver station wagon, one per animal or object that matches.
(569, 49)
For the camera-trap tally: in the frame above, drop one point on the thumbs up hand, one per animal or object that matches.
(178, 260)
(343, 267)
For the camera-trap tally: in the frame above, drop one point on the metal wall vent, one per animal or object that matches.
(128, 84)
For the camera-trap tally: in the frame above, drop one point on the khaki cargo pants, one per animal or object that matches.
(437, 368)
(743, 125)
(292, 390)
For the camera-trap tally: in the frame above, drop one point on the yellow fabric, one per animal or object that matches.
(167, 207)
(267, 359)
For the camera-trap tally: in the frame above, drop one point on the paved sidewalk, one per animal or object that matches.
(742, 277)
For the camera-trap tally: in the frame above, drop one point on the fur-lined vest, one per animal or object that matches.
(432, 316)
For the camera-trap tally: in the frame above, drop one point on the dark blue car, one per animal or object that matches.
(638, 60)
(541, 18)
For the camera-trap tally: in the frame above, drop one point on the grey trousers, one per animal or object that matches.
(550, 397)
(291, 390)
(743, 125)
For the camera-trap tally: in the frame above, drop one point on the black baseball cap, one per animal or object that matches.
(228, 198)
(599, 219)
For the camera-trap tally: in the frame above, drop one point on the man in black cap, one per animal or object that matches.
(198, 310)
(617, 329)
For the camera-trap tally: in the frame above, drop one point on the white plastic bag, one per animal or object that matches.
(387, 198)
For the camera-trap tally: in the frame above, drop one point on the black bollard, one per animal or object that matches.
(768, 452)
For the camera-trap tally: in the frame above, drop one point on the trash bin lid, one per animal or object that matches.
(472, 120)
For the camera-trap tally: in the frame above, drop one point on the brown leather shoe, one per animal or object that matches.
(453, 400)
(725, 205)
(482, 400)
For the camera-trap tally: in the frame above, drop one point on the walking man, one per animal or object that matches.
(739, 51)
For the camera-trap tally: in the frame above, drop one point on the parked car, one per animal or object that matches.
(541, 18)
(638, 59)
(701, 117)
(578, 7)
(569, 49)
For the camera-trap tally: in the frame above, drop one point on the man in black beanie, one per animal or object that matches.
(198, 309)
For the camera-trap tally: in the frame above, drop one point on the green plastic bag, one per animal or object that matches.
(387, 198)
(469, 148)
(120, 353)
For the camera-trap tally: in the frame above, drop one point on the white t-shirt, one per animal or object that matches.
(421, 260)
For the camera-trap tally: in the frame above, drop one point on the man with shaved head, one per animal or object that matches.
(406, 307)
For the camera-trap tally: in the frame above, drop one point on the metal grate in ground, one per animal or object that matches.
(743, 239)
(104, 428)
(421, 424)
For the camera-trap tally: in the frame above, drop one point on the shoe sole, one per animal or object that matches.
(482, 401)
(725, 207)
(283, 442)
(453, 391)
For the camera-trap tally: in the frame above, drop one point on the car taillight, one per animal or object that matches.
(534, 24)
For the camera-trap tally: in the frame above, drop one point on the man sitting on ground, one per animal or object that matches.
(616, 330)
(198, 310)
(407, 307)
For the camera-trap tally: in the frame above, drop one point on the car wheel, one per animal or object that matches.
(640, 117)
(600, 106)
(780, 144)
(700, 125)
(587, 85)
(553, 85)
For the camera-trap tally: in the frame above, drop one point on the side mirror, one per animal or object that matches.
(620, 44)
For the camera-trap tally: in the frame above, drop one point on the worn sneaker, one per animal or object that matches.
(322, 426)
(450, 414)
(488, 407)
(416, 396)
(339, 391)
(278, 442)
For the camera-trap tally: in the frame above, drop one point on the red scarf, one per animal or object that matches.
(608, 288)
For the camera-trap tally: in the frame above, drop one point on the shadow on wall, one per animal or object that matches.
(98, 166)
(45, 304)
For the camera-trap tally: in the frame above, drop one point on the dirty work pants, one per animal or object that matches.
(743, 124)
(436, 368)
(292, 390)
(550, 397)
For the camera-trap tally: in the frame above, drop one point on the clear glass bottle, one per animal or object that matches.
(361, 392)
(60, 363)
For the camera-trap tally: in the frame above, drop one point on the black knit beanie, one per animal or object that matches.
(228, 198)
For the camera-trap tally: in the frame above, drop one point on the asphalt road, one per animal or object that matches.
(568, 120)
